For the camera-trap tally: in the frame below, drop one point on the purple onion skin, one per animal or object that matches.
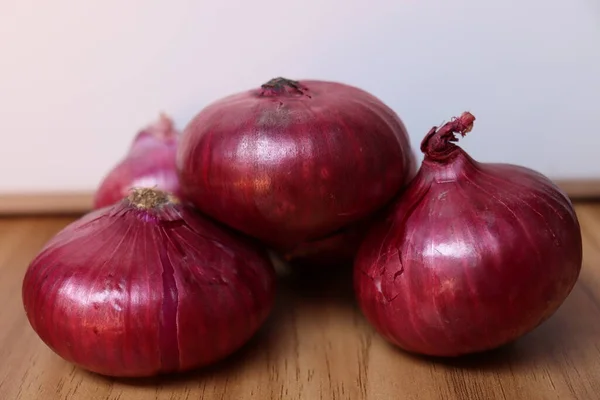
(132, 292)
(471, 257)
(150, 162)
(293, 162)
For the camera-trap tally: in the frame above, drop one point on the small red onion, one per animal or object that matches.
(291, 162)
(147, 286)
(472, 256)
(150, 162)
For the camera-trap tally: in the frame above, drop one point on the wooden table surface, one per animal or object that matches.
(317, 345)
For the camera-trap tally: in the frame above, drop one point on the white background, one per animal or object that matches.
(79, 78)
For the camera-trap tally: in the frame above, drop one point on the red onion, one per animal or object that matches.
(147, 286)
(291, 162)
(473, 255)
(150, 162)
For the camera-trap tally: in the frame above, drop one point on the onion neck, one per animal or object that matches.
(150, 198)
(162, 132)
(162, 129)
(282, 87)
(438, 145)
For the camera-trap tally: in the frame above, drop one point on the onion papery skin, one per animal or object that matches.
(472, 256)
(130, 291)
(293, 161)
(150, 162)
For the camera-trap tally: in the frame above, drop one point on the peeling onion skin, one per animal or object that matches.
(472, 256)
(150, 162)
(292, 162)
(129, 291)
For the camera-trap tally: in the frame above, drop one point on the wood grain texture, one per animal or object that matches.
(317, 345)
(45, 203)
(80, 202)
(580, 188)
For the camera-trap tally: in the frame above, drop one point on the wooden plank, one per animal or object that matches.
(580, 188)
(80, 202)
(317, 345)
(45, 203)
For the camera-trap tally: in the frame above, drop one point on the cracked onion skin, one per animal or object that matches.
(472, 256)
(149, 162)
(293, 161)
(147, 287)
